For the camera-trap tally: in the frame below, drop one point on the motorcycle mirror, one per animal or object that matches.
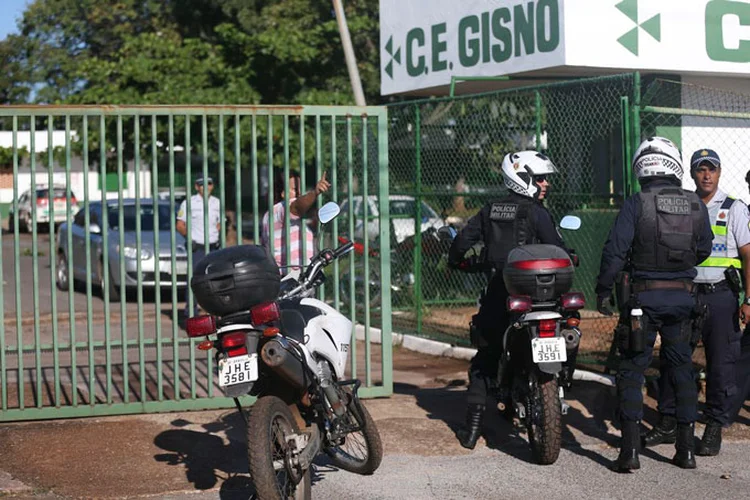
(328, 212)
(570, 222)
(447, 233)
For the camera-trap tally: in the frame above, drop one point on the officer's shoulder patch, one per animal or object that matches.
(673, 204)
(503, 211)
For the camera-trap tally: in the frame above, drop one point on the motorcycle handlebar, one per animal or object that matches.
(343, 249)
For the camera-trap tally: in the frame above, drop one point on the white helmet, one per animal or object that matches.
(520, 168)
(657, 157)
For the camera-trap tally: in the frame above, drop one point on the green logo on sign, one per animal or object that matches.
(652, 26)
(394, 56)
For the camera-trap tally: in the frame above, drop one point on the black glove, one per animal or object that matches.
(604, 304)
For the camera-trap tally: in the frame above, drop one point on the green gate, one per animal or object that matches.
(111, 342)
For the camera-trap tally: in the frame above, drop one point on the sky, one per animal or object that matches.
(11, 11)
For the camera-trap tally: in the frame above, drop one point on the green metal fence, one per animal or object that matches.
(446, 154)
(111, 343)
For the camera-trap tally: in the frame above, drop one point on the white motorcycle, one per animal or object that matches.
(291, 354)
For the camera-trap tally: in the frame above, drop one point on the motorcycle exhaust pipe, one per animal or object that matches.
(275, 354)
(572, 338)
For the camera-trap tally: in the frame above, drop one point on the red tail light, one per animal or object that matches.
(42, 201)
(234, 344)
(264, 313)
(519, 303)
(533, 265)
(547, 327)
(199, 326)
(573, 301)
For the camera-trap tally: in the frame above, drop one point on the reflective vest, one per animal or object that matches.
(720, 251)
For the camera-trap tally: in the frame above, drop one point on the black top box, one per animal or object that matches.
(544, 272)
(235, 279)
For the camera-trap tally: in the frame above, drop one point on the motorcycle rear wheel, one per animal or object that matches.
(269, 424)
(544, 419)
(360, 450)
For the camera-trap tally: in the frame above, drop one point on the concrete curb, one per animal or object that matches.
(435, 348)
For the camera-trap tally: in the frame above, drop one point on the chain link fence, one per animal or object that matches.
(445, 157)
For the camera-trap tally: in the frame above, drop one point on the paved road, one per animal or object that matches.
(46, 288)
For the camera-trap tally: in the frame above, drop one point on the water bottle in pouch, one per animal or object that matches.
(637, 335)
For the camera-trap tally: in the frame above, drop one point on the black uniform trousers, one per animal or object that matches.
(668, 313)
(721, 339)
(493, 321)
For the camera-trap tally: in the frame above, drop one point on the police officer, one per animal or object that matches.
(518, 219)
(665, 231)
(718, 286)
(196, 223)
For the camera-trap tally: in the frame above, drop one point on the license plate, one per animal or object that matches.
(238, 370)
(549, 350)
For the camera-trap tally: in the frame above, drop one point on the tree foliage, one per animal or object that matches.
(187, 52)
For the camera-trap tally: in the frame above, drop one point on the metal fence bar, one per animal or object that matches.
(173, 246)
(17, 272)
(352, 263)
(335, 232)
(157, 247)
(121, 252)
(386, 341)
(51, 232)
(35, 267)
(366, 254)
(87, 233)
(69, 266)
(139, 251)
(196, 110)
(104, 276)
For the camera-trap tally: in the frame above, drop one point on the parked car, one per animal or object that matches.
(42, 210)
(402, 210)
(179, 196)
(151, 261)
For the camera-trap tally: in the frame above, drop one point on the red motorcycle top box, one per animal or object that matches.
(543, 272)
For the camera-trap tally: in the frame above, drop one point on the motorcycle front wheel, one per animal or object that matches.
(544, 418)
(356, 445)
(269, 454)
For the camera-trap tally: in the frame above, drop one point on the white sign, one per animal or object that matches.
(426, 42)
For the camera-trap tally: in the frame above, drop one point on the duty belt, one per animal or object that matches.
(201, 246)
(706, 288)
(642, 286)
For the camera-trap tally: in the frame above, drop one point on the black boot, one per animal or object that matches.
(665, 431)
(711, 442)
(685, 446)
(469, 435)
(629, 447)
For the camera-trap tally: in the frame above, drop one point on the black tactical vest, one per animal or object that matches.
(509, 226)
(666, 232)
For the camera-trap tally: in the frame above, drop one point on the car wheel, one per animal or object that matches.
(63, 276)
(25, 221)
(114, 291)
(11, 226)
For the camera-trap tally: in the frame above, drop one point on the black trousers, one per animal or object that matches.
(493, 320)
(721, 339)
(668, 313)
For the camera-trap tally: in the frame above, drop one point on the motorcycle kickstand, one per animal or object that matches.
(239, 408)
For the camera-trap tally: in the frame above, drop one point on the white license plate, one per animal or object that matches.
(238, 370)
(549, 350)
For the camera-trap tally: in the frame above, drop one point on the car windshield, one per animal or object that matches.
(408, 208)
(44, 193)
(147, 217)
